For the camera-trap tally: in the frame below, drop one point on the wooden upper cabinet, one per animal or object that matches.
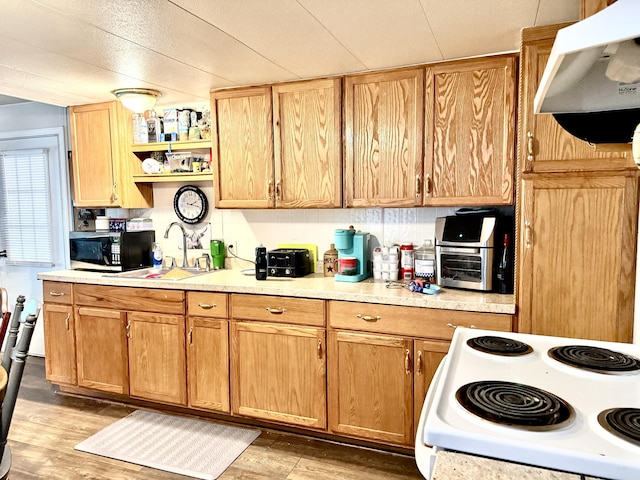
(578, 255)
(470, 132)
(543, 145)
(384, 124)
(308, 144)
(242, 147)
(102, 162)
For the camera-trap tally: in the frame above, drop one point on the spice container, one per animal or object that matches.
(406, 261)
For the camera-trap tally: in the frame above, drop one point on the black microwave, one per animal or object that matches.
(111, 252)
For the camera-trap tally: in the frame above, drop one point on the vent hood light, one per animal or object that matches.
(138, 100)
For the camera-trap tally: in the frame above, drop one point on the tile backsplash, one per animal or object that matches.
(246, 229)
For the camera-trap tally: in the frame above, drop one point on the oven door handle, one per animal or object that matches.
(467, 250)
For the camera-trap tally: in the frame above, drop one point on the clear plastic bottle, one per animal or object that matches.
(425, 262)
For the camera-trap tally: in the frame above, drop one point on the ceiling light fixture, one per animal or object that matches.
(138, 100)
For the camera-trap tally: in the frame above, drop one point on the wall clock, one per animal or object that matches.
(190, 204)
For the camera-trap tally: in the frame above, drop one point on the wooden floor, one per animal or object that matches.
(46, 426)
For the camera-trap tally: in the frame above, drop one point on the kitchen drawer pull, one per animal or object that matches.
(207, 306)
(319, 349)
(419, 363)
(369, 318)
(527, 234)
(451, 325)
(276, 311)
(56, 294)
(407, 361)
(190, 336)
(66, 321)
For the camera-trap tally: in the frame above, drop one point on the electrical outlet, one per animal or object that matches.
(232, 246)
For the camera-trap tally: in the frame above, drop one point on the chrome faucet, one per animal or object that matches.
(184, 241)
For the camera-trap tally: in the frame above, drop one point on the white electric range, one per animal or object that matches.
(529, 399)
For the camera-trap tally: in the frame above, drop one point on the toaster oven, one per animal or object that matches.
(465, 251)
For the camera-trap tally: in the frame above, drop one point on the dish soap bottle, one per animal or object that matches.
(157, 255)
(331, 261)
(261, 263)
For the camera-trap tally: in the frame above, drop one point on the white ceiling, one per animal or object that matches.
(70, 52)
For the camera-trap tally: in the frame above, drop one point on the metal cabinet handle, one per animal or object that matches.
(529, 147)
(128, 329)
(427, 184)
(418, 186)
(419, 363)
(451, 325)
(56, 294)
(276, 311)
(66, 321)
(407, 361)
(527, 234)
(270, 190)
(207, 306)
(319, 349)
(368, 318)
(190, 336)
(278, 192)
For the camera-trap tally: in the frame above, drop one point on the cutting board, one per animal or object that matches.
(313, 249)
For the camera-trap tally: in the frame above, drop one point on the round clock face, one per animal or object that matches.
(190, 204)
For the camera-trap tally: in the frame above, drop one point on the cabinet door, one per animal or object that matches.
(279, 373)
(157, 357)
(428, 355)
(578, 250)
(470, 132)
(103, 164)
(543, 145)
(242, 148)
(59, 344)
(371, 387)
(384, 123)
(208, 364)
(308, 144)
(101, 344)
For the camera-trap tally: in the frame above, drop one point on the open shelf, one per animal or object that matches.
(164, 146)
(173, 177)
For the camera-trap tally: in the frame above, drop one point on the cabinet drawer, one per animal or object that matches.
(411, 321)
(207, 304)
(303, 311)
(126, 298)
(57, 292)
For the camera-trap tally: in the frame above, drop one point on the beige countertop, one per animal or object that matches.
(461, 466)
(311, 286)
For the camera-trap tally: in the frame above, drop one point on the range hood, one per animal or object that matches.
(592, 80)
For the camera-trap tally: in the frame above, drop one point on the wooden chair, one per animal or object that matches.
(16, 350)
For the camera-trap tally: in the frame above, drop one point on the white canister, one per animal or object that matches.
(102, 224)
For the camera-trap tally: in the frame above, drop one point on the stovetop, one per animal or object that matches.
(568, 434)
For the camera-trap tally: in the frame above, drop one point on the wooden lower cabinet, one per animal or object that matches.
(101, 345)
(59, 344)
(371, 386)
(427, 356)
(208, 364)
(157, 357)
(278, 373)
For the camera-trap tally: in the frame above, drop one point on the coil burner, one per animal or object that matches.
(499, 346)
(514, 404)
(622, 422)
(595, 359)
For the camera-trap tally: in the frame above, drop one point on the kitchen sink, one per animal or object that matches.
(151, 273)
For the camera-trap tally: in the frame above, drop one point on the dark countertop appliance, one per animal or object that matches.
(289, 262)
(110, 251)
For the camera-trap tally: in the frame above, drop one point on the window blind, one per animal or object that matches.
(26, 207)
